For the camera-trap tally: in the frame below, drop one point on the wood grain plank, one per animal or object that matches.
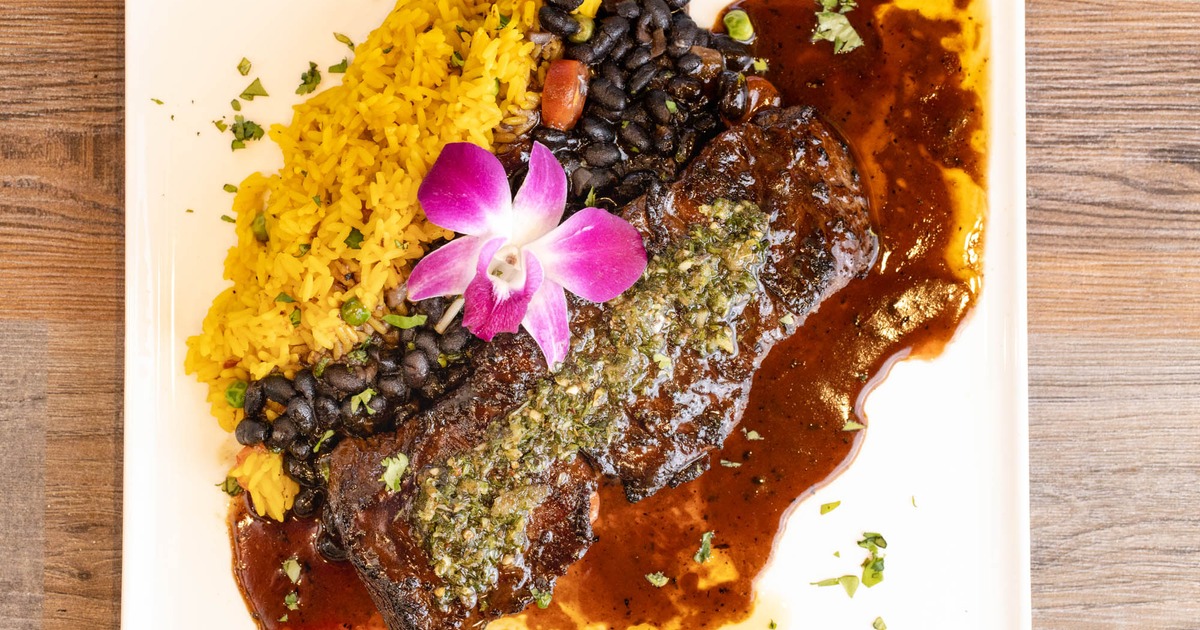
(1114, 283)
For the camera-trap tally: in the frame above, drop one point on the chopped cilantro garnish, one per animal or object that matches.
(663, 361)
(284, 618)
(189, 211)
(761, 65)
(354, 241)
(244, 66)
(393, 471)
(504, 20)
(259, 227)
(457, 60)
(829, 507)
(309, 80)
(728, 464)
(253, 90)
(324, 436)
(361, 399)
(235, 394)
(400, 321)
(853, 426)
(847, 582)
(657, 579)
(833, 26)
(303, 249)
(221, 126)
(340, 68)
(230, 486)
(878, 624)
(244, 131)
(541, 598)
(591, 197)
(156, 101)
(292, 601)
(914, 500)
(345, 40)
(291, 568)
(236, 105)
(772, 625)
(319, 369)
(285, 298)
(317, 200)
(705, 550)
(752, 435)
(294, 318)
(873, 566)
(228, 219)
(672, 107)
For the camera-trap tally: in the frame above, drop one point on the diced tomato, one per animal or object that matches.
(564, 93)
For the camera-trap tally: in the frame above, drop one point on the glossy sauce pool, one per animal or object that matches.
(910, 104)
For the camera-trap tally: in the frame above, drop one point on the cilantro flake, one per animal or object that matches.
(230, 486)
(393, 471)
(303, 249)
(324, 436)
(657, 579)
(292, 601)
(728, 464)
(236, 105)
(235, 394)
(663, 361)
(361, 399)
(309, 80)
(853, 426)
(285, 298)
(354, 241)
(228, 219)
(156, 101)
(245, 131)
(291, 568)
(294, 318)
(834, 26)
(402, 322)
(752, 435)
(829, 507)
(878, 624)
(253, 90)
(340, 68)
(345, 40)
(705, 550)
(229, 188)
(541, 598)
(244, 66)
(772, 625)
(220, 125)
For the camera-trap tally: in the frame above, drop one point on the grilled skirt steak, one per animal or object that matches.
(498, 495)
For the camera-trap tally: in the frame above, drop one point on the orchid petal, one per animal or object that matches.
(546, 321)
(542, 197)
(466, 191)
(446, 270)
(490, 306)
(593, 254)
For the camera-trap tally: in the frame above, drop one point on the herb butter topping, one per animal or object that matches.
(471, 512)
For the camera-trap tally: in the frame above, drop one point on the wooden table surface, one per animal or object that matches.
(1114, 289)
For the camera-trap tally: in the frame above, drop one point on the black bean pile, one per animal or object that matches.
(370, 390)
(661, 87)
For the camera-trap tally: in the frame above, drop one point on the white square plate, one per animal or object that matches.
(959, 560)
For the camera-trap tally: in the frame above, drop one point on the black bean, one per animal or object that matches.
(685, 146)
(725, 43)
(703, 37)
(620, 49)
(689, 63)
(553, 139)
(283, 432)
(733, 95)
(377, 406)
(677, 4)
(433, 308)
(301, 471)
(607, 95)
(602, 155)
(328, 414)
(433, 389)
(581, 181)
(407, 335)
(255, 399)
(395, 296)
(416, 368)
(628, 9)
(639, 179)
(680, 20)
(393, 386)
(656, 15)
(602, 178)
(738, 62)
(635, 137)
(307, 502)
(389, 361)
(301, 412)
(611, 72)
(664, 139)
(276, 387)
(250, 432)
(596, 110)
(615, 24)
(453, 341)
(656, 105)
(330, 548)
(557, 21)
(685, 89)
(427, 342)
(705, 122)
(300, 449)
(641, 78)
(596, 129)
(636, 115)
(592, 52)
(305, 383)
(345, 379)
(566, 5)
(639, 57)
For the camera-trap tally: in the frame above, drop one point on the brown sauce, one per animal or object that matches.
(911, 107)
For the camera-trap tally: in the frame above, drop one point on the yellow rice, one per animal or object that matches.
(354, 156)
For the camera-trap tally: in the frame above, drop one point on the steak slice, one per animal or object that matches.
(498, 497)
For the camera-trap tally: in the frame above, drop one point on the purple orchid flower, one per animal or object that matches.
(515, 260)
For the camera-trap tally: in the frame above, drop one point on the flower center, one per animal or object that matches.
(508, 267)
